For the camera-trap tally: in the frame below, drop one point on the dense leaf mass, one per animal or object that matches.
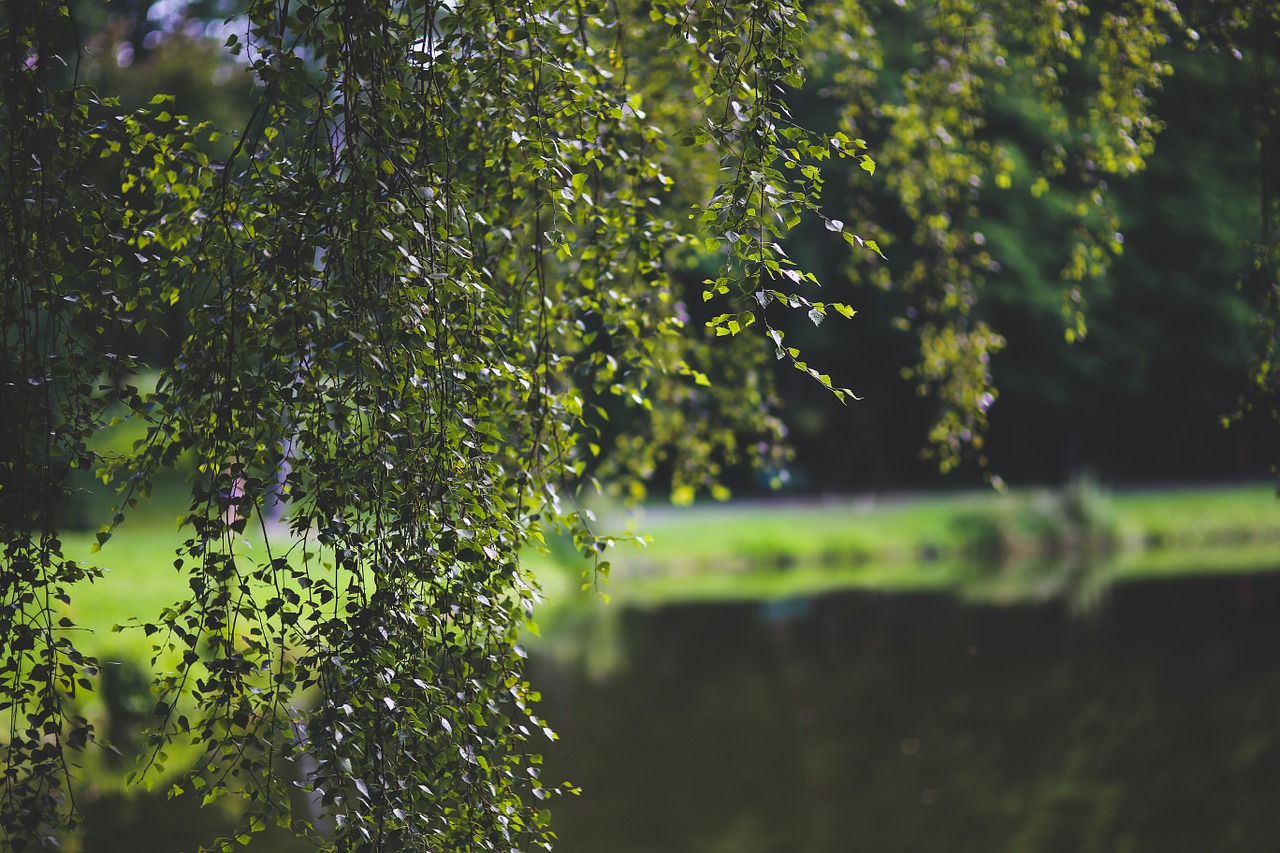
(429, 295)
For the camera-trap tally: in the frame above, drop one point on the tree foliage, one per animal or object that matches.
(432, 296)
(1163, 360)
(932, 87)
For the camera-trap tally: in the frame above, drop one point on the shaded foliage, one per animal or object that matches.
(1123, 292)
(432, 262)
(424, 296)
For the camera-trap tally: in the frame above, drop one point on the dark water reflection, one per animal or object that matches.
(917, 723)
(862, 722)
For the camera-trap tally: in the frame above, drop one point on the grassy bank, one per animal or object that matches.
(983, 545)
(1028, 544)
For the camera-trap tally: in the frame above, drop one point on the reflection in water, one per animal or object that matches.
(859, 722)
(918, 723)
(151, 822)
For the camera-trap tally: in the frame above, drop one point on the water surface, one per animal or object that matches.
(864, 722)
(859, 722)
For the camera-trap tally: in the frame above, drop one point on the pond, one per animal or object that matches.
(858, 721)
(916, 723)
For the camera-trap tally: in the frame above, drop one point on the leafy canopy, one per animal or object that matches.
(431, 297)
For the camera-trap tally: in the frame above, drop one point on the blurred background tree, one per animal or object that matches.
(1129, 295)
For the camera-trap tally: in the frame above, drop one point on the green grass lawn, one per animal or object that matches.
(759, 549)
(901, 543)
(1199, 515)
(898, 528)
